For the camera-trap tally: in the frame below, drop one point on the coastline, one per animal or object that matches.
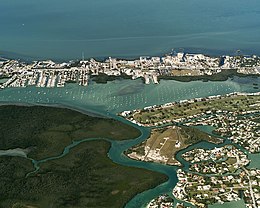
(208, 52)
(222, 76)
(195, 50)
(218, 141)
(103, 112)
(151, 186)
(57, 105)
(129, 115)
(183, 67)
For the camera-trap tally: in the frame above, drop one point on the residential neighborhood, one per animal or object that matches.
(211, 175)
(203, 190)
(150, 69)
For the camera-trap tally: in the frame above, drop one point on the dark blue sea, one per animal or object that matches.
(63, 29)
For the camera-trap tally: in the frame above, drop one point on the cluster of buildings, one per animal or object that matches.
(226, 159)
(210, 65)
(215, 175)
(203, 190)
(50, 74)
(151, 153)
(241, 128)
(158, 118)
(244, 64)
(41, 74)
(162, 201)
(181, 205)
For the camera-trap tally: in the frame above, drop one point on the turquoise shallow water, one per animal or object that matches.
(113, 97)
(63, 29)
(255, 158)
(122, 95)
(3, 80)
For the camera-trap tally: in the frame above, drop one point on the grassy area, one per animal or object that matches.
(194, 135)
(85, 177)
(234, 103)
(48, 130)
(166, 142)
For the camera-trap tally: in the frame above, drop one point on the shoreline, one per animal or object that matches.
(180, 165)
(109, 141)
(126, 114)
(222, 76)
(195, 50)
(180, 66)
(71, 106)
(57, 105)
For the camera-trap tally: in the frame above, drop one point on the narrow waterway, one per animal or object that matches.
(107, 100)
(116, 154)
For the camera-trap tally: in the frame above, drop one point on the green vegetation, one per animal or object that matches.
(46, 131)
(162, 139)
(222, 76)
(85, 177)
(102, 78)
(232, 103)
(194, 135)
(168, 140)
(257, 120)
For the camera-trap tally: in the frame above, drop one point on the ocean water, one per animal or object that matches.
(63, 29)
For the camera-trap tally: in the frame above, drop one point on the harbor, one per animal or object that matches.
(50, 74)
(121, 95)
